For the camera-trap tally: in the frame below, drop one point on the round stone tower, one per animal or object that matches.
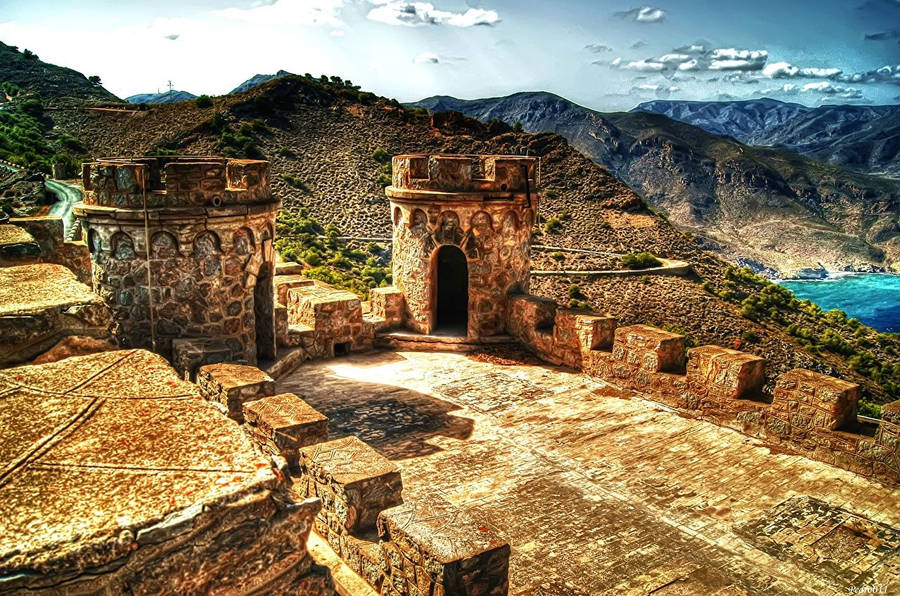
(461, 233)
(182, 247)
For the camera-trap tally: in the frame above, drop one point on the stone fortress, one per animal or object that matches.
(217, 459)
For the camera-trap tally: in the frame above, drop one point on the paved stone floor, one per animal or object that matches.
(599, 491)
(96, 449)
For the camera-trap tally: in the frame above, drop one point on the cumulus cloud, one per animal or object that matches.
(643, 14)
(886, 74)
(826, 89)
(786, 70)
(598, 48)
(289, 12)
(698, 58)
(413, 14)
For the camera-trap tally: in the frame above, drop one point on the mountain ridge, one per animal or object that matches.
(739, 198)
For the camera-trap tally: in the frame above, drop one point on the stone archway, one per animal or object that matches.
(451, 291)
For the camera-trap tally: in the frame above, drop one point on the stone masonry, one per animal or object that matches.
(485, 207)
(204, 228)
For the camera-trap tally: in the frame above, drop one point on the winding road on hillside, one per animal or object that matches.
(67, 196)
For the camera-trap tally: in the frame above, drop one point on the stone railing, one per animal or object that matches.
(174, 181)
(809, 413)
(399, 546)
(465, 173)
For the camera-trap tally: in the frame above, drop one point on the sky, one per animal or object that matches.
(604, 54)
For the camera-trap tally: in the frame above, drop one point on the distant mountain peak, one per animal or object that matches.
(171, 96)
(259, 79)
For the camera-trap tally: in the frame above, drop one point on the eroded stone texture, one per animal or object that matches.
(42, 303)
(721, 374)
(353, 481)
(206, 269)
(284, 423)
(326, 321)
(813, 400)
(107, 487)
(387, 308)
(432, 547)
(233, 385)
(482, 205)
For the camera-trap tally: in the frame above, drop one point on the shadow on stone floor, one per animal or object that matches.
(397, 422)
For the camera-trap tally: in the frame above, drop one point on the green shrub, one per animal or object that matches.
(641, 260)
(381, 156)
(867, 408)
(552, 226)
(751, 337)
(557, 256)
(203, 101)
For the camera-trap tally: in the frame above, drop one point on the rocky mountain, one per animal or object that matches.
(165, 97)
(257, 80)
(773, 209)
(23, 72)
(327, 141)
(864, 138)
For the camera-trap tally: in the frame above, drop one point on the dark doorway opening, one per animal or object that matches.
(452, 281)
(342, 349)
(264, 314)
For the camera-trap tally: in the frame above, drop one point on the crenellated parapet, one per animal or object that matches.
(463, 175)
(808, 412)
(174, 182)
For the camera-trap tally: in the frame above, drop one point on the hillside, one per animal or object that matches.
(863, 138)
(326, 143)
(775, 210)
(257, 80)
(27, 72)
(165, 97)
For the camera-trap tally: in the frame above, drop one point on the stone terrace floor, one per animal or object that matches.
(600, 491)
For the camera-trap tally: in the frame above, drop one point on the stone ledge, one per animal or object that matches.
(353, 480)
(284, 423)
(234, 384)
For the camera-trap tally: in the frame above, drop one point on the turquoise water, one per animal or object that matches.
(872, 298)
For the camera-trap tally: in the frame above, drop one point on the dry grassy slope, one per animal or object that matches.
(333, 140)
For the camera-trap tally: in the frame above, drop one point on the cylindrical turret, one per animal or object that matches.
(210, 223)
(461, 233)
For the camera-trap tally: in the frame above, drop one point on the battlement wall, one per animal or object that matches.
(808, 412)
(478, 174)
(174, 181)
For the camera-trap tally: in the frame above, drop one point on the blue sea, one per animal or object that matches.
(872, 298)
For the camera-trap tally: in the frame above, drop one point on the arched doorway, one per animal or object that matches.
(451, 316)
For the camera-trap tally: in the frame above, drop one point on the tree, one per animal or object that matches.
(94, 79)
(29, 55)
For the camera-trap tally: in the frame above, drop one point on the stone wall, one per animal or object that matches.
(400, 547)
(483, 205)
(47, 233)
(809, 413)
(210, 267)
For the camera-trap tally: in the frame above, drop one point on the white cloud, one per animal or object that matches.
(657, 89)
(289, 12)
(885, 74)
(827, 88)
(644, 14)
(786, 70)
(598, 48)
(413, 14)
(427, 58)
(733, 59)
(645, 66)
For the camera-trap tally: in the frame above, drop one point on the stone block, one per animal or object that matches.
(232, 385)
(388, 304)
(650, 348)
(889, 428)
(722, 374)
(431, 547)
(288, 268)
(596, 332)
(353, 480)
(284, 423)
(833, 400)
(283, 283)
